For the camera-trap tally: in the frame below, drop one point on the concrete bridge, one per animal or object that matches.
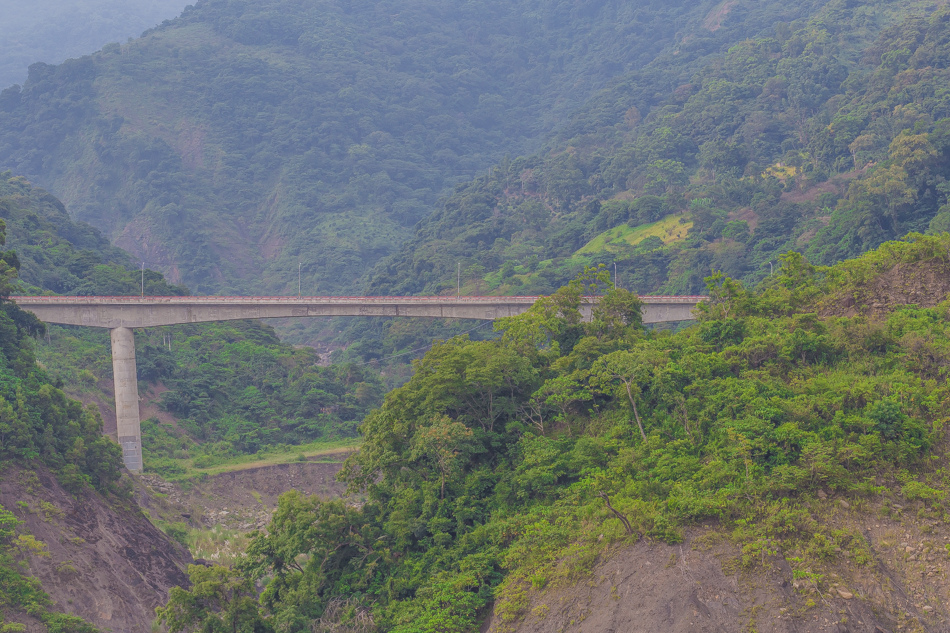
(120, 314)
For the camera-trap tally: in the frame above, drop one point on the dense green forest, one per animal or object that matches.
(228, 145)
(827, 136)
(51, 31)
(785, 142)
(233, 388)
(517, 462)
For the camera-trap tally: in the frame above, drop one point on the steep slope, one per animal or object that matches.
(701, 586)
(244, 137)
(103, 560)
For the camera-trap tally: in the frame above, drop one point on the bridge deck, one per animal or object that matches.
(132, 312)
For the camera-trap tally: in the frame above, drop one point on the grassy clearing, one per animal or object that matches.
(616, 240)
(669, 229)
(328, 451)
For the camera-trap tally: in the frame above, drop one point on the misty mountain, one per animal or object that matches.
(228, 145)
(51, 31)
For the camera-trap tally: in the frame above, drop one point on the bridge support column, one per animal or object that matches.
(125, 380)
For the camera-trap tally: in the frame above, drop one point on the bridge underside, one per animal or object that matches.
(120, 314)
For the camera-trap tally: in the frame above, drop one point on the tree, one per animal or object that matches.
(475, 272)
(616, 313)
(219, 601)
(440, 442)
(624, 372)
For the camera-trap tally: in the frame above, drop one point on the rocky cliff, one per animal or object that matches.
(106, 562)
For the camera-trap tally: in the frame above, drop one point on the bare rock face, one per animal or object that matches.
(700, 586)
(107, 563)
(925, 284)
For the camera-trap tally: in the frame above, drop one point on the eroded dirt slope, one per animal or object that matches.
(700, 586)
(925, 284)
(107, 563)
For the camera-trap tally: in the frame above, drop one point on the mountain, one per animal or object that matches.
(826, 136)
(51, 30)
(230, 144)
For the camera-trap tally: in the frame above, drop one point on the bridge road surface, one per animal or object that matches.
(120, 314)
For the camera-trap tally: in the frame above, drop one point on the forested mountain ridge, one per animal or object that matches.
(231, 143)
(823, 136)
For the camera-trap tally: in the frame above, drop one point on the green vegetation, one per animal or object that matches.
(515, 463)
(38, 420)
(235, 389)
(243, 137)
(670, 229)
(211, 461)
(828, 136)
(226, 392)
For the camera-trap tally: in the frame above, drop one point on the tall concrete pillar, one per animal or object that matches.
(126, 384)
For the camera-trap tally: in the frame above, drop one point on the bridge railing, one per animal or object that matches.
(324, 299)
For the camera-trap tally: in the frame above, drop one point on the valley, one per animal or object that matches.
(620, 316)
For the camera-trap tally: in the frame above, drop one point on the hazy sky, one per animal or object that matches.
(53, 30)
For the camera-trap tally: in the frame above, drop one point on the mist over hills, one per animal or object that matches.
(229, 144)
(51, 31)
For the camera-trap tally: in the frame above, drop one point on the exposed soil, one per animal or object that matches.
(241, 500)
(700, 586)
(925, 284)
(107, 563)
(837, 185)
(713, 21)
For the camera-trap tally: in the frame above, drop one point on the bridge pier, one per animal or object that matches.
(125, 381)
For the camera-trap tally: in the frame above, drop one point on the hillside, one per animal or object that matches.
(825, 136)
(97, 556)
(227, 146)
(767, 468)
(51, 452)
(211, 391)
